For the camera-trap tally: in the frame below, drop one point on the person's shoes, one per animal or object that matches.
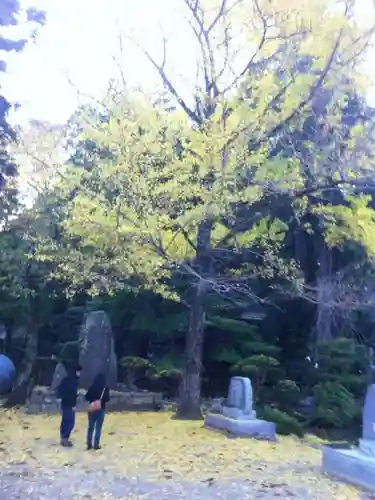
(89, 447)
(97, 447)
(66, 443)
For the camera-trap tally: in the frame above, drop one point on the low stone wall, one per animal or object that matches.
(43, 400)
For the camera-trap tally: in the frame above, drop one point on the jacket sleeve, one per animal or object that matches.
(106, 396)
(61, 389)
(88, 396)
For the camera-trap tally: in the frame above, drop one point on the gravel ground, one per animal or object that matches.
(65, 483)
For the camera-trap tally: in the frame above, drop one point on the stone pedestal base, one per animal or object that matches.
(351, 465)
(367, 446)
(238, 414)
(43, 400)
(250, 428)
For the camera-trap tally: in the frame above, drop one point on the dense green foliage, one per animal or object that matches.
(232, 236)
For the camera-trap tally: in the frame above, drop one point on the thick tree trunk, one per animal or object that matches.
(23, 382)
(323, 327)
(190, 390)
(325, 297)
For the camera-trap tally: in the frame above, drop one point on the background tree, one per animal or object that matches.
(189, 191)
(17, 286)
(25, 300)
(40, 152)
(10, 15)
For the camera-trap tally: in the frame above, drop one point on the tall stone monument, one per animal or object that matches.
(59, 374)
(356, 465)
(97, 353)
(237, 415)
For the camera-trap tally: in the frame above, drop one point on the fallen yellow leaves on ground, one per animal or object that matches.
(156, 447)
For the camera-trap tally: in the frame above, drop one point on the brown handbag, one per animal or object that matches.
(96, 405)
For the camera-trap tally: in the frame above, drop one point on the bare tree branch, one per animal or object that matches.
(261, 43)
(205, 44)
(160, 68)
(118, 64)
(255, 145)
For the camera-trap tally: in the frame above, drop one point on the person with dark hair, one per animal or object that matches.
(67, 392)
(97, 396)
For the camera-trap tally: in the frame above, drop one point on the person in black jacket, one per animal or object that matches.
(97, 391)
(67, 392)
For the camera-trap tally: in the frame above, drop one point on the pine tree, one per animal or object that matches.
(10, 14)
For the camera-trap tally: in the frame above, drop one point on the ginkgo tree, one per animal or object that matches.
(167, 196)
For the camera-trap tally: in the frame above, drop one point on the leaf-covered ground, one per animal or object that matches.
(149, 456)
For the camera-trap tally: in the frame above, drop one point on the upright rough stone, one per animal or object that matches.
(97, 352)
(356, 465)
(368, 421)
(112, 377)
(237, 415)
(239, 403)
(59, 374)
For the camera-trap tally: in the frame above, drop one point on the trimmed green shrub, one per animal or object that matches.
(135, 367)
(335, 405)
(287, 394)
(285, 423)
(257, 367)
